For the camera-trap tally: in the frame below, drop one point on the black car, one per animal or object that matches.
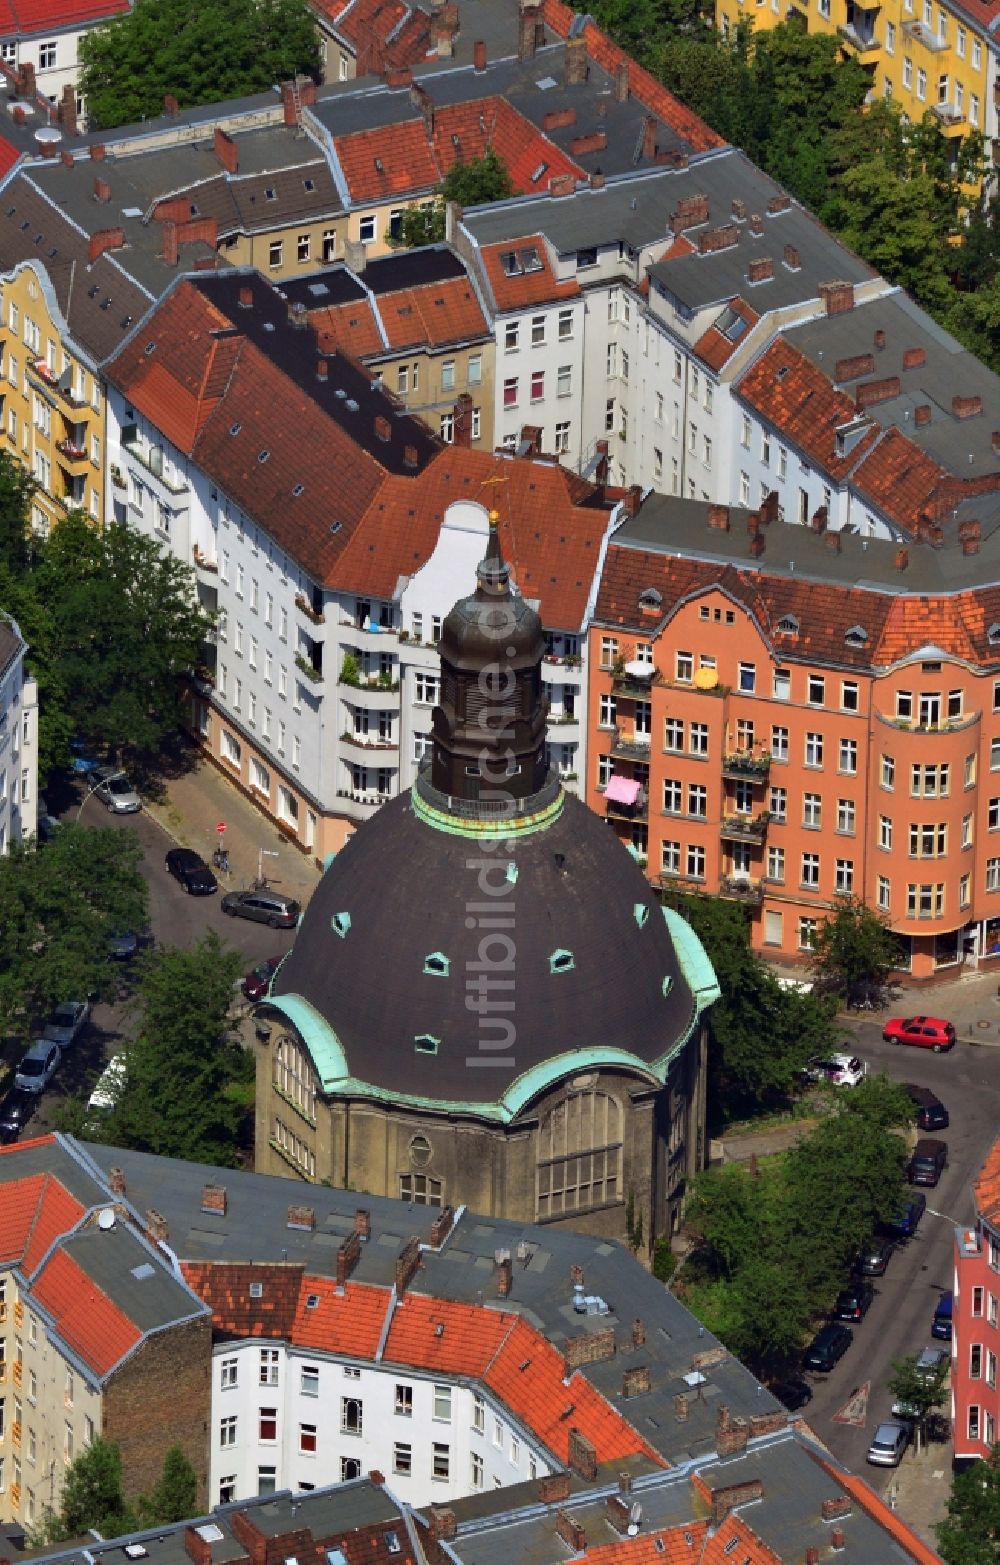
(794, 1392)
(928, 1160)
(875, 1257)
(931, 1113)
(192, 872)
(904, 1224)
(828, 1346)
(854, 1301)
(15, 1112)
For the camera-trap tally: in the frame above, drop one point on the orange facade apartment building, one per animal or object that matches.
(792, 718)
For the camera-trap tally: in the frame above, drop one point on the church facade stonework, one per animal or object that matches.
(485, 1004)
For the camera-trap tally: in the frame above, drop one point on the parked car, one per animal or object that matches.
(15, 1112)
(828, 1346)
(931, 1112)
(82, 759)
(66, 1021)
(106, 1093)
(266, 907)
(904, 1225)
(941, 1324)
(258, 981)
(193, 873)
(927, 1162)
(888, 1443)
(116, 792)
(47, 826)
(875, 1257)
(841, 1070)
(854, 1301)
(123, 946)
(794, 1392)
(925, 1032)
(38, 1066)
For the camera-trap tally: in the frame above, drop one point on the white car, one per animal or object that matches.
(66, 1021)
(116, 792)
(38, 1066)
(841, 1070)
(888, 1444)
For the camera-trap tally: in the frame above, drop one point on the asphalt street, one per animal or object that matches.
(967, 1081)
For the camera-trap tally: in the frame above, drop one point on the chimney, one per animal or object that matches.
(739, 210)
(116, 1182)
(301, 1217)
(582, 1456)
(635, 1382)
(562, 185)
(102, 190)
(630, 502)
(505, 1277)
(171, 107)
(407, 1265)
(792, 259)
(398, 76)
(289, 106)
(105, 239)
(157, 1231)
(576, 1274)
(363, 1217)
(196, 1547)
(571, 1533)
(214, 1198)
(902, 559)
(553, 1488)
(348, 1256)
(756, 223)
(832, 541)
(812, 1555)
(422, 100)
(577, 66)
(442, 1225)
(479, 55)
(837, 1505)
(718, 518)
(969, 536)
(298, 315)
(558, 119)
(528, 29)
(246, 297)
(621, 82)
(170, 243)
(617, 1513)
(24, 86)
(913, 358)
(18, 115)
(67, 159)
(67, 109)
(760, 270)
(649, 130)
(966, 407)
(837, 297)
(226, 150)
(778, 204)
(383, 429)
(98, 152)
(443, 1523)
(638, 1333)
(681, 1407)
(757, 546)
(601, 465)
(597, 180)
(838, 1539)
(879, 338)
(444, 29)
(922, 414)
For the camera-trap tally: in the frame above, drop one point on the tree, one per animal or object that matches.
(92, 1498)
(970, 1533)
(760, 1035)
(181, 1096)
(126, 626)
(920, 1393)
(175, 1495)
(200, 54)
(855, 951)
(469, 184)
(59, 906)
(17, 543)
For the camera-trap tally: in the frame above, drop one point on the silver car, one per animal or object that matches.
(66, 1021)
(38, 1066)
(888, 1444)
(116, 792)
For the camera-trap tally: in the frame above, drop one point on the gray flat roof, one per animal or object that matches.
(964, 446)
(142, 1285)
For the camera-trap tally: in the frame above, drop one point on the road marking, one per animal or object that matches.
(855, 1409)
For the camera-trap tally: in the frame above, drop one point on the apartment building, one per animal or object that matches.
(975, 1340)
(99, 1335)
(18, 739)
(42, 44)
(925, 56)
(317, 697)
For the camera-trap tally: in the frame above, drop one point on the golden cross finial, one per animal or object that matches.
(492, 482)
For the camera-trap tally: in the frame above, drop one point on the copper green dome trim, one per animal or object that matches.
(699, 974)
(485, 828)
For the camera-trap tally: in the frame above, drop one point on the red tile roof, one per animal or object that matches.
(57, 1213)
(526, 288)
(42, 16)
(83, 1315)
(551, 527)
(987, 1186)
(225, 1288)
(9, 155)
(712, 347)
(797, 399)
(435, 314)
(350, 1322)
(890, 1521)
(348, 328)
(651, 93)
(34, 1212)
(900, 478)
(397, 159)
(681, 1545)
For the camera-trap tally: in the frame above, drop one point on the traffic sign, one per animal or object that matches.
(855, 1409)
(221, 828)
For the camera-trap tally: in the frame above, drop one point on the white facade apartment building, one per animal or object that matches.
(287, 1417)
(18, 739)
(51, 44)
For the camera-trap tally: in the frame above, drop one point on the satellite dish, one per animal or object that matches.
(48, 136)
(635, 1513)
(106, 1219)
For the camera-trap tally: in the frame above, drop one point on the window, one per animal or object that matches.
(670, 858)
(993, 874)
(925, 901)
(673, 734)
(303, 247)
(697, 799)
(275, 252)
(442, 1404)
(227, 1430)
(973, 1423)
(812, 810)
(696, 862)
(440, 1462)
(921, 83)
(776, 864)
(403, 1406)
(907, 72)
(366, 232)
(511, 336)
(510, 392)
(847, 761)
(562, 437)
(815, 690)
(845, 816)
(745, 434)
(699, 738)
(888, 772)
(475, 369)
(782, 684)
(478, 1412)
(565, 325)
(747, 677)
(977, 1301)
(537, 385)
(268, 1424)
(307, 1439)
(608, 711)
(777, 803)
(564, 380)
(421, 1189)
(844, 877)
(814, 749)
(227, 1489)
(425, 689)
(269, 1366)
(351, 1416)
(672, 796)
(810, 869)
(928, 841)
(930, 781)
(309, 1380)
(807, 934)
(684, 665)
(266, 1480)
(883, 894)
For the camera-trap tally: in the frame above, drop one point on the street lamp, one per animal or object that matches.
(262, 854)
(111, 777)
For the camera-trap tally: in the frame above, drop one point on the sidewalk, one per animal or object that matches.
(919, 1490)
(197, 802)
(970, 1000)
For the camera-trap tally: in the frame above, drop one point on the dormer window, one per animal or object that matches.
(340, 923)
(425, 1043)
(640, 913)
(437, 965)
(561, 962)
(993, 634)
(857, 636)
(788, 625)
(651, 598)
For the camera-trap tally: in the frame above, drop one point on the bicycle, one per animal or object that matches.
(220, 859)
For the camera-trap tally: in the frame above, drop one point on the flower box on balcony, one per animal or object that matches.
(302, 602)
(307, 669)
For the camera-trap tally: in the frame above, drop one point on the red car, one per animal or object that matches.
(926, 1032)
(258, 980)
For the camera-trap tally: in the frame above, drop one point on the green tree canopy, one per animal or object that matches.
(855, 951)
(469, 184)
(201, 53)
(179, 1098)
(176, 1493)
(92, 1498)
(921, 1393)
(970, 1533)
(59, 906)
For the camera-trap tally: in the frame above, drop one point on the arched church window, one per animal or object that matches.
(579, 1164)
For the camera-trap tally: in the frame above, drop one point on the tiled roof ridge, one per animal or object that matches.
(376, 313)
(920, 1552)
(48, 1179)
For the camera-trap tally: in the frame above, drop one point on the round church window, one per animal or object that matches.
(420, 1151)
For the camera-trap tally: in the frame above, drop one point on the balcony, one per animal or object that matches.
(381, 750)
(556, 669)
(18, 1373)
(950, 117)
(925, 36)
(151, 458)
(741, 888)
(313, 676)
(917, 725)
(629, 686)
(50, 383)
(360, 806)
(620, 810)
(203, 564)
(744, 828)
(634, 748)
(313, 615)
(372, 637)
(72, 456)
(864, 46)
(686, 885)
(747, 766)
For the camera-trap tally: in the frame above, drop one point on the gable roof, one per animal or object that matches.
(34, 1213)
(797, 400)
(537, 286)
(86, 1318)
(436, 314)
